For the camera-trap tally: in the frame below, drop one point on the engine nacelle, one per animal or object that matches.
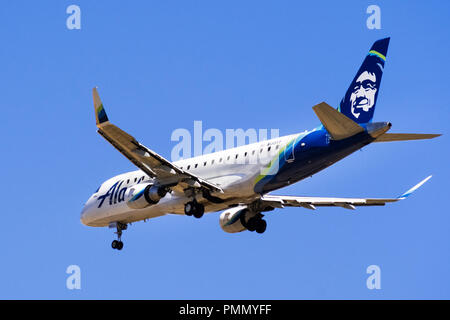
(149, 194)
(233, 220)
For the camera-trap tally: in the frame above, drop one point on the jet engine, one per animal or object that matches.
(241, 218)
(147, 195)
(233, 220)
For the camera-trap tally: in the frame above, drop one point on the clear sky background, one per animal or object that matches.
(254, 64)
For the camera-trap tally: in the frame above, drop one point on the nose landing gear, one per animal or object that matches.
(118, 244)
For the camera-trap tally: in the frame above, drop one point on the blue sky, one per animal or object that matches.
(160, 66)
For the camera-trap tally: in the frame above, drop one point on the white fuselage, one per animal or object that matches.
(235, 170)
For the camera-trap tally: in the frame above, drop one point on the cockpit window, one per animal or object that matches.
(97, 189)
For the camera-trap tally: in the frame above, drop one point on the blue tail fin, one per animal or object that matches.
(361, 97)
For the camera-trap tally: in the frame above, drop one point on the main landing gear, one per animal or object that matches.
(256, 223)
(193, 208)
(118, 244)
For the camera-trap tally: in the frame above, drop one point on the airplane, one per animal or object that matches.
(238, 181)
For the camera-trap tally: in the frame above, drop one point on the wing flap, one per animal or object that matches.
(273, 201)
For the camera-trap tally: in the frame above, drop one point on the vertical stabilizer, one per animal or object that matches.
(360, 99)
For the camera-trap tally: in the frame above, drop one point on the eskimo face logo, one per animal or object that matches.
(362, 99)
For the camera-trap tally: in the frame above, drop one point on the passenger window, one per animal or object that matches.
(189, 166)
(245, 154)
(220, 160)
(204, 164)
(196, 165)
(236, 156)
(212, 162)
(268, 149)
(253, 152)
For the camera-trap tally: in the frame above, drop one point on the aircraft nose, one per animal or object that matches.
(86, 213)
(83, 215)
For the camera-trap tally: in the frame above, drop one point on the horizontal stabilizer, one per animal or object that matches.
(337, 124)
(405, 136)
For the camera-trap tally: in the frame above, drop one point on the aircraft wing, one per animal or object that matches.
(269, 202)
(145, 159)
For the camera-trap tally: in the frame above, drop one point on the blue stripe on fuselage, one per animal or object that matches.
(312, 153)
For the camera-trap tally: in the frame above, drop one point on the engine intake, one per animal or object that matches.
(233, 220)
(150, 194)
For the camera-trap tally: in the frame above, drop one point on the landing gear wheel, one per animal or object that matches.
(252, 223)
(199, 211)
(189, 208)
(261, 226)
(115, 244)
(193, 208)
(118, 244)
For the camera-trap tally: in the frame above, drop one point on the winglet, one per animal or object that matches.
(417, 186)
(100, 113)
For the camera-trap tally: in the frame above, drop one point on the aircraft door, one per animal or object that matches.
(289, 155)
